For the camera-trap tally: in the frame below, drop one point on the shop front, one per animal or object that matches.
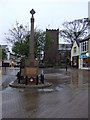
(84, 61)
(75, 61)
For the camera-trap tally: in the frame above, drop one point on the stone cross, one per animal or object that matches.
(32, 12)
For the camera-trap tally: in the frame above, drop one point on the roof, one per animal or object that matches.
(3, 46)
(82, 40)
(85, 39)
(64, 47)
(78, 41)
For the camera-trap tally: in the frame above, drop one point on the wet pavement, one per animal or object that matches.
(66, 98)
(8, 75)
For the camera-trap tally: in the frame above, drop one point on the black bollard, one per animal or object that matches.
(66, 67)
(26, 81)
(37, 80)
(42, 78)
(18, 77)
(18, 80)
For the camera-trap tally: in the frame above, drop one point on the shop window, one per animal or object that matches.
(85, 62)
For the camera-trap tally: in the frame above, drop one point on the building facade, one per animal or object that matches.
(84, 57)
(75, 52)
(0, 56)
(89, 14)
(80, 53)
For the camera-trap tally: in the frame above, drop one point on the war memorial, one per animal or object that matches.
(60, 93)
(28, 74)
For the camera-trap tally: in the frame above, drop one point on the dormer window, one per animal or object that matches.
(75, 49)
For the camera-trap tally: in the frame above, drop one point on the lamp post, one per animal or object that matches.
(87, 54)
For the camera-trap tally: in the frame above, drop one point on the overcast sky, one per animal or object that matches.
(49, 13)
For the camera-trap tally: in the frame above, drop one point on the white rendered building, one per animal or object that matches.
(89, 14)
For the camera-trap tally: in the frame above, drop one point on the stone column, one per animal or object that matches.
(31, 49)
(31, 65)
(30, 62)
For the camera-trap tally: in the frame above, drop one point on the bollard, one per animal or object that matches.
(66, 67)
(18, 77)
(37, 80)
(26, 83)
(42, 78)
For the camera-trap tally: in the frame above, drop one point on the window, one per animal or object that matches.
(75, 49)
(84, 46)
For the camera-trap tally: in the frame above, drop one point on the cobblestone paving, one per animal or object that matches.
(66, 98)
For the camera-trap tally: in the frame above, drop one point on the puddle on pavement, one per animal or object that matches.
(58, 88)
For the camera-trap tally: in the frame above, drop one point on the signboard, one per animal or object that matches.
(84, 56)
(29, 71)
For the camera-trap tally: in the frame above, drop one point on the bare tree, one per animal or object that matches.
(75, 30)
(17, 33)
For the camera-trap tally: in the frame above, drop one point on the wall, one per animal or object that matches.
(77, 52)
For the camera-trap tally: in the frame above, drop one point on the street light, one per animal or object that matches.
(87, 54)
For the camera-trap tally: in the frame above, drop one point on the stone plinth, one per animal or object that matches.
(29, 71)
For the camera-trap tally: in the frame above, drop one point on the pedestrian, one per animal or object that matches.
(42, 78)
(18, 76)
